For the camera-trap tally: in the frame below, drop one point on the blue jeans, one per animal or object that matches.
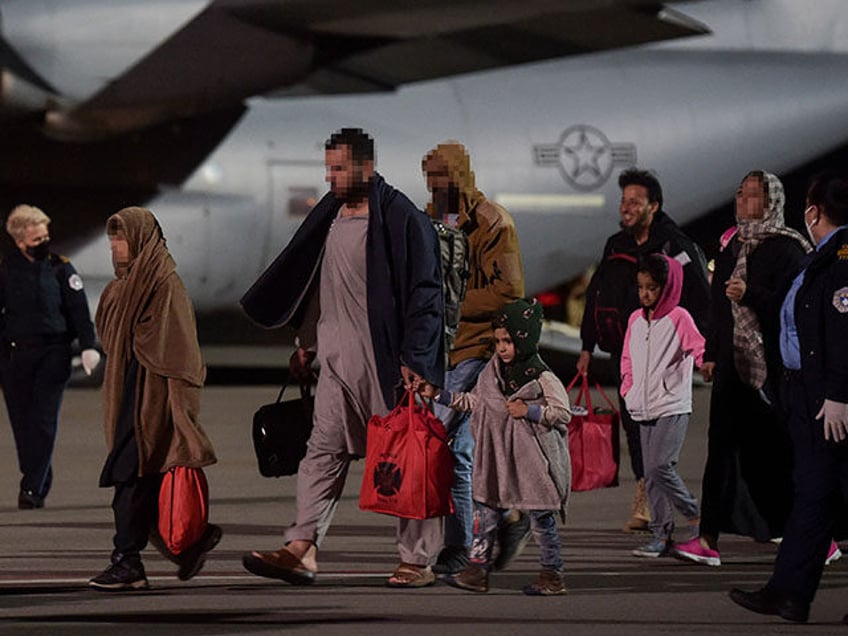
(458, 526)
(543, 522)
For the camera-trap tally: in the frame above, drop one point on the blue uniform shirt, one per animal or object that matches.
(790, 347)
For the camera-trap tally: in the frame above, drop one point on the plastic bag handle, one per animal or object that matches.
(412, 404)
(584, 391)
(604, 395)
(408, 400)
(305, 391)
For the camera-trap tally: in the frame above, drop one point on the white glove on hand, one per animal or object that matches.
(835, 420)
(90, 360)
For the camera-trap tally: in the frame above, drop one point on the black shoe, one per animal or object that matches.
(764, 601)
(191, 560)
(28, 500)
(121, 576)
(512, 537)
(452, 559)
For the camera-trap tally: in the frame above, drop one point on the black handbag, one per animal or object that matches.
(280, 433)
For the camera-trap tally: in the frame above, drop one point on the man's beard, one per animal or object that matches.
(446, 201)
(634, 230)
(356, 193)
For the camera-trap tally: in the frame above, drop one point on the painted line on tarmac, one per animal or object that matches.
(6, 583)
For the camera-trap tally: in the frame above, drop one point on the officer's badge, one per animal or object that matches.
(842, 253)
(840, 300)
(75, 282)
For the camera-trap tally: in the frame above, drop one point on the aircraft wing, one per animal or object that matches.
(234, 49)
(433, 39)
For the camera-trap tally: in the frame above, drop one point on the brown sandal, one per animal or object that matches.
(411, 575)
(281, 564)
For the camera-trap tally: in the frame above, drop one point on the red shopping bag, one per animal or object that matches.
(590, 437)
(408, 465)
(183, 507)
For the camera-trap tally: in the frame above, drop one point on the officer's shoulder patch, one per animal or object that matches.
(63, 259)
(840, 300)
(842, 254)
(75, 283)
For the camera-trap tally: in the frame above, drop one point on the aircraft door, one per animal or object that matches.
(295, 186)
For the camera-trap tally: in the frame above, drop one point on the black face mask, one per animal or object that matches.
(39, 252)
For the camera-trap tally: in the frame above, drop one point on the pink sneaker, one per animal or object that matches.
(694, 551)
(833, 554)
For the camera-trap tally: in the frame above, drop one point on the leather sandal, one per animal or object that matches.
(411, 575)
(281, 564)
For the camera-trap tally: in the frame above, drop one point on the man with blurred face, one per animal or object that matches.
(496, 278)
(360, 282)
(348, 175)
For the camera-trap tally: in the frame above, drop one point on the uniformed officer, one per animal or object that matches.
(814, 321)
(43, 308)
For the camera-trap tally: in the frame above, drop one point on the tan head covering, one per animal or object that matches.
(163, 341)
(454, 155)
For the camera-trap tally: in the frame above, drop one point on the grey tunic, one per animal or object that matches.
(517, 463)
(347, 395)
(348, 385)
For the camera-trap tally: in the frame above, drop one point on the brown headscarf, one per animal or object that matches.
(164, 344)
(455, 157)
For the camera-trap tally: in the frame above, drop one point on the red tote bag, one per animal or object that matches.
(590, 438)
(408, 465)
(183, 507)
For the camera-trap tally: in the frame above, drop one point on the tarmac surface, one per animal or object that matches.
(47, 556)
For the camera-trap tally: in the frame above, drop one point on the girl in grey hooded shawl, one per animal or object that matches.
(520, 412)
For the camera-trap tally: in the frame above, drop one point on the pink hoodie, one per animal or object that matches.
(658, 356)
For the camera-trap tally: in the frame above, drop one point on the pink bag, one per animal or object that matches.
(590, 439)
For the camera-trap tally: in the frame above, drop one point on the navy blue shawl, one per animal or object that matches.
(405, 311)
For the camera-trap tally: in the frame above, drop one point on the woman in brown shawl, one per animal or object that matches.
(151, 395)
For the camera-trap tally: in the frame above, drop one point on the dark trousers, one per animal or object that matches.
(33, 383)
(631, 429)
(136, 501)
(821, 489)
(136, 509)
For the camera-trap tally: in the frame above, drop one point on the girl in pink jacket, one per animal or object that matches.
(660, 347)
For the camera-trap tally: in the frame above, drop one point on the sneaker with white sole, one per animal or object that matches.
(656, 548)
(833, 553)
(121, 575)
(697, 552)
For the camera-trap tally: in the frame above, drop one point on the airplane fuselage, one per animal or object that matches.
(547, 140)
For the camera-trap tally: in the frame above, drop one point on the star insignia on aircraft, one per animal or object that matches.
(584, 156)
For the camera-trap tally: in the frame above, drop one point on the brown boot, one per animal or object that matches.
(474, 578)
(639, 514)
(548, 583)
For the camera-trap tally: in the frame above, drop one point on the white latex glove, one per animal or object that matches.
(90, 360)
(835, 420)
